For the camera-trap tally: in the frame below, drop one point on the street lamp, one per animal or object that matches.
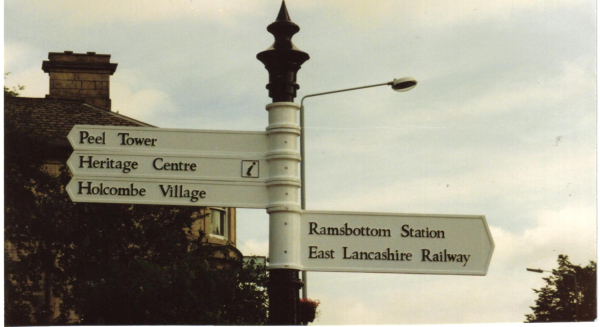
(576, 287)
(398, 84)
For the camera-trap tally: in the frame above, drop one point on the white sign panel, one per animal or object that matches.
(168, 192)
(165, 140)
(213, 167)
(395, 243)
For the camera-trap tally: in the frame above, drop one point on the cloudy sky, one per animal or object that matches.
(502, 123)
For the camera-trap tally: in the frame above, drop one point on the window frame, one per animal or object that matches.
(225, 224)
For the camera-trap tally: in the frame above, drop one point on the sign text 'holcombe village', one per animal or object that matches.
(388, 254)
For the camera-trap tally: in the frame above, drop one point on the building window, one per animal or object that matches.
(218, 223)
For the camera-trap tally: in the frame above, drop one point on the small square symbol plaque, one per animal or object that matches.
(250, 169)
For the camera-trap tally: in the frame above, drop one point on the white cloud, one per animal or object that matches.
(36, 82)
(446, 178)
(570, 231)
(575, 82)
(346, 310)
(254, 247)
(16, 54)
(24, 63)
(136, 11)
(131, 97)
(432, 13)
(363, 14)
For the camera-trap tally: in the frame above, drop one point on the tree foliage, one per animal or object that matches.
(14, 91)
(112, 264)
(569, 294)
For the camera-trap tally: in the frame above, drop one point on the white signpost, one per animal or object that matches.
(140, 165)
(167, 192)
(395, 243)
(234, 167)
(166, 140)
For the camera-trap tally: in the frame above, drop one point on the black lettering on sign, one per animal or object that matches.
(345, 230)
(444, 256)
(85, 137)
(125, 166)
(89, 189)
(159, 164)
(314, 253)
(387, 255)
(178, 191)
(137, 141)
(425, 232)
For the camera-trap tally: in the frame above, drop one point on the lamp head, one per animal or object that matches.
(403, 84)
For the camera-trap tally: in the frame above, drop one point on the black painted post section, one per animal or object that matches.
(283, 60)
(284, 299)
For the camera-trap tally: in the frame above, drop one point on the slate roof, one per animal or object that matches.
(54, 118)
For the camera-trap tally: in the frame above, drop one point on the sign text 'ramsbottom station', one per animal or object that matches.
(387, 254)
(373, 242)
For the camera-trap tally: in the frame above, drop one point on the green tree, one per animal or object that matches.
(14, 91)
(112, 264)
(569, 294)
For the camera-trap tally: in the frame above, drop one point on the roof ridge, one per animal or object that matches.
(80, 101)
(118, 115)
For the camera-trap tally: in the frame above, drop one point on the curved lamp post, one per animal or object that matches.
(576, 287)
(399, 85)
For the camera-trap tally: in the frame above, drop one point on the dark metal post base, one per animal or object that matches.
(283, 288)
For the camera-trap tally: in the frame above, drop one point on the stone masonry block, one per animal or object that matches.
(63, 76)
(62, 57)
(102, 85)
(93, 58)
(94, 93)
(89, 85)
(98, 102)
(65, 93)
(92, 77)
(65, 84)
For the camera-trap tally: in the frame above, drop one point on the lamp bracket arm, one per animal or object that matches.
(342, 90)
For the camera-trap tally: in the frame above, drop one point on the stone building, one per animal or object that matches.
(80, 95)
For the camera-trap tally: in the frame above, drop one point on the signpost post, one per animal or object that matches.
(140, 165)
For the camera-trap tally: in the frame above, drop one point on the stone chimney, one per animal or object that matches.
(83, 76)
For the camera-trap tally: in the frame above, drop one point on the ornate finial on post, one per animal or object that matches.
(283, 59)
